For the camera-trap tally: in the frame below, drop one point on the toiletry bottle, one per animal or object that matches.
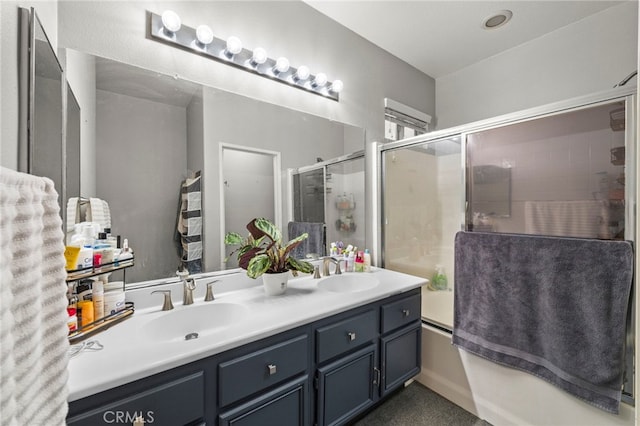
(350, 261)
(85, 309)
(359, 262)
(367, 261)
(439, 279)
(97, 296)
(85, 257)
(72, 321)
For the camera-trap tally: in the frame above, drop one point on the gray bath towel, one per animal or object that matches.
(554, 307)
(314, 244)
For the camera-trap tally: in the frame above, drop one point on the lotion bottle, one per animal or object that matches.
(367, 261)
(97, 296)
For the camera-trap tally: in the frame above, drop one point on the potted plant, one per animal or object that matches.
(262, 252)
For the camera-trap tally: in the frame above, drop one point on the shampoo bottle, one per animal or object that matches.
(367, 261)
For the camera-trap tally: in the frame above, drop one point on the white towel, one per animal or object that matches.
(582, 219)
(33, 322)
(100, 212)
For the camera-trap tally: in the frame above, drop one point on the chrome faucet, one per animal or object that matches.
(325, 265)
(188, 285)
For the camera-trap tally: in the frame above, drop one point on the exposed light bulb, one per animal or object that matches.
(302, 73)
(234, 46)
(282, 65)
(320, 80)
(337, 86)
(259, 56)
(171, 21)
(204, 34)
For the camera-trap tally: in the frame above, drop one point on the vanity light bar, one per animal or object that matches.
(168, 29)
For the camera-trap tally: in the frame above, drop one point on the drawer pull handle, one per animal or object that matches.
(352, 336)
(272, 369)
(405, 312)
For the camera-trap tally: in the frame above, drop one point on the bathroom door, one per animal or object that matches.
(250, 188)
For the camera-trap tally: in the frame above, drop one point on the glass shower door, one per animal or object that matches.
(423, 196)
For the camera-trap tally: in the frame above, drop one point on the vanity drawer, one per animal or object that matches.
(345, 335)
(246, 375)
(399, 313)
(176, 402)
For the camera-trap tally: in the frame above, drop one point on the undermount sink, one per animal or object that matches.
(348, 283)
(194, 321)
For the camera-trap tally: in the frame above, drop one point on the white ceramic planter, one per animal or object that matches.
(275, 284)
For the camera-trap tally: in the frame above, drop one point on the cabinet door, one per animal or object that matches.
(283, 406)
(400, 356)
(347, 386)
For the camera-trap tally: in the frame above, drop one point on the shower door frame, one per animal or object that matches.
(625, 94)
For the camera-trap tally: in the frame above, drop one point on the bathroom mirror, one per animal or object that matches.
(154, 130)
(42, 111)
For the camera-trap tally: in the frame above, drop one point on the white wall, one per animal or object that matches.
(588, 56)
(81, 75)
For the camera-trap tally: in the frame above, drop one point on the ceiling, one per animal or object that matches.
(441, 37)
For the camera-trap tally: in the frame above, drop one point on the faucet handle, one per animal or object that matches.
(167, 305)
(338, 270)
(316, 272)
(209, 297)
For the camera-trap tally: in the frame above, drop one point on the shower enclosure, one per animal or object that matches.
(332, 192)
(566, 170)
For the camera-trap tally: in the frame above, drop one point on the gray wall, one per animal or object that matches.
(238, 120)
(588, 56)
(291, 28)
(142, 147)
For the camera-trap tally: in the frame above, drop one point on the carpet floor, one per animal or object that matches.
(416, 405)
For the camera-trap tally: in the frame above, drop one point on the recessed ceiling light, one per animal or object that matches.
(497, 20)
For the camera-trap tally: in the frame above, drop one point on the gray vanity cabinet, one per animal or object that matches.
(266, 386)
(401, 342)
(347, 360)
(323, 373)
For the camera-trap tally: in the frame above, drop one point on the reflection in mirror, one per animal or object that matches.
(153, 131)
(492, 191)
(45, 145)
(250, 182)
(333, 193)
(72, 150)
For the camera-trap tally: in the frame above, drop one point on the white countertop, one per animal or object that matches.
(130, 353)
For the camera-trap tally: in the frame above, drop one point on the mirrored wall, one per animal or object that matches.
(153, 131)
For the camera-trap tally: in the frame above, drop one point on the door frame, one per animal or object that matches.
(277, 188)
